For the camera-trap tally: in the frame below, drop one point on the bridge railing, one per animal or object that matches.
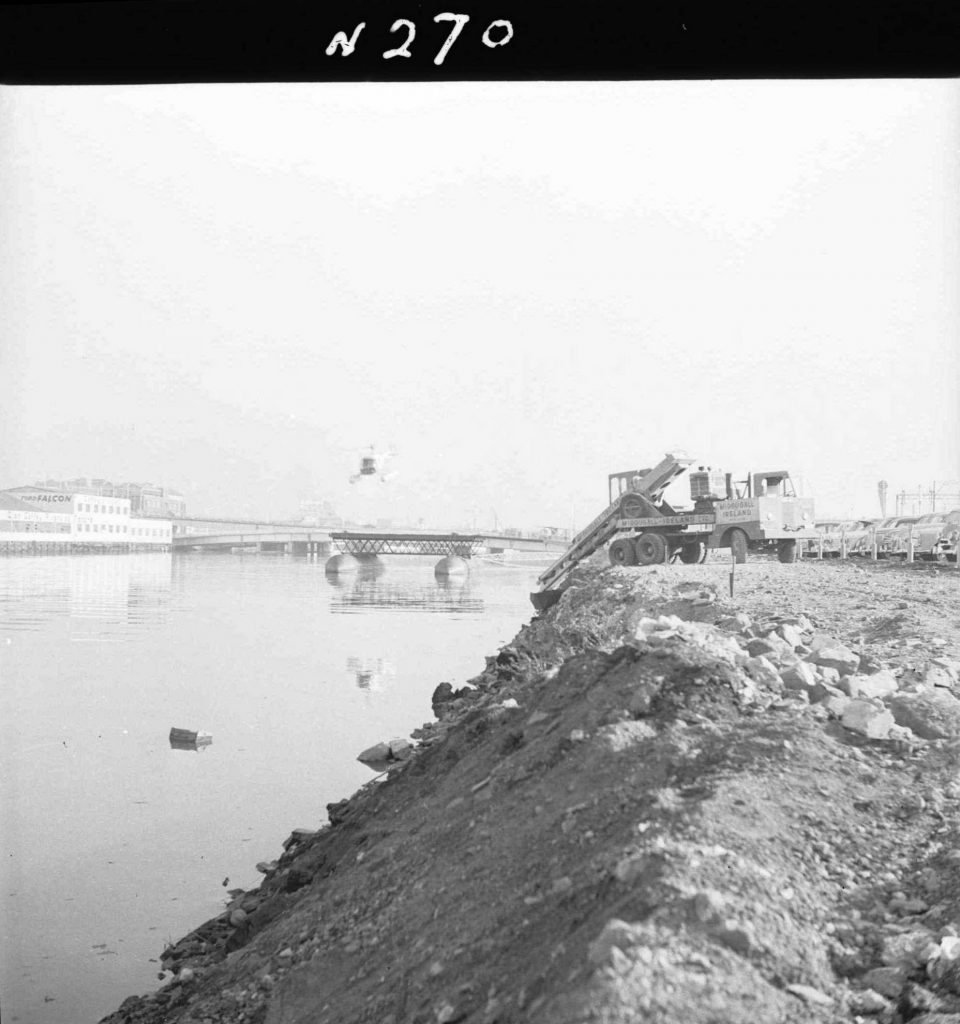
(355, 543)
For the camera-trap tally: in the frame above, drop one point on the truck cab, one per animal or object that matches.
(776, 483)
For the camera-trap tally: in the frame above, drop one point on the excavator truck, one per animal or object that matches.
(759, 513)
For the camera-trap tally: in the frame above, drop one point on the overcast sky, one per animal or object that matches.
(521, 287)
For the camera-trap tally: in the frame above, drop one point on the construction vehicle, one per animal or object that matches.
(760, 513)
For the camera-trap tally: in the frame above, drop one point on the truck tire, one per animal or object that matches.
(787, 551)
(622, 552)
(737, 540)
(693, 552)
(651, 548)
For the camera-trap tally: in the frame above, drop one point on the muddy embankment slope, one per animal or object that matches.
(658, 803)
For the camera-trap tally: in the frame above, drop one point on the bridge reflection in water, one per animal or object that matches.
(365, 589)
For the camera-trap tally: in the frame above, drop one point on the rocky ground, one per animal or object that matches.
(658, 803)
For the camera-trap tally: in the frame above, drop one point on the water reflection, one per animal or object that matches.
(91, 592)
(91, 721)
(361, 569)
(352, 593)
(371, 673)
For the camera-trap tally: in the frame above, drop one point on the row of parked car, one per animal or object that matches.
(935, 536)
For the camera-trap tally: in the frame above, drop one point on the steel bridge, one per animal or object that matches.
(352, 543)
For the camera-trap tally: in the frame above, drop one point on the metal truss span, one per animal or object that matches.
(408, 544)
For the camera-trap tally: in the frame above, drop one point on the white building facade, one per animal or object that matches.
(84, 521)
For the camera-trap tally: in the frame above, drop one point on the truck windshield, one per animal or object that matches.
(619, 484)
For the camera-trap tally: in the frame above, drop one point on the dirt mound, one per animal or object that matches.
(645, 808)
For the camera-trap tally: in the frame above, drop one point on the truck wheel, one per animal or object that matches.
(787, 551)
(622, 552)
(690, 554)
(738, 545)
(651, 549)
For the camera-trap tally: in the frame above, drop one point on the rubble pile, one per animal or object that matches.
(655, 804)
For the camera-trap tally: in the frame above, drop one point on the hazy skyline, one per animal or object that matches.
(232, 289)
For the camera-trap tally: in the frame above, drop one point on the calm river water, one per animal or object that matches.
(113, 843)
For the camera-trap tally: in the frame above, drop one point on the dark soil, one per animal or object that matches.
(624, 820)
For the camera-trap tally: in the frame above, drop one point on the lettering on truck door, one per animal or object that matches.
(743, 510)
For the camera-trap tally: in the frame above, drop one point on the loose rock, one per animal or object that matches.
(831, 653)
(932, 715)
(880, 684)
(867, 719)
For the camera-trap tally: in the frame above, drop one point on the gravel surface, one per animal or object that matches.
(658, 803)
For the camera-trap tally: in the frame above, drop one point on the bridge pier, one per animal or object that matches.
(451, 565)
(309, 547)
(269, 545)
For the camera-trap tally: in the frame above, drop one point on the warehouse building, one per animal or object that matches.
(145, 499)
(53, 519)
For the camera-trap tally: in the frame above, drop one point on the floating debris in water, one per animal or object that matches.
(187, 739)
